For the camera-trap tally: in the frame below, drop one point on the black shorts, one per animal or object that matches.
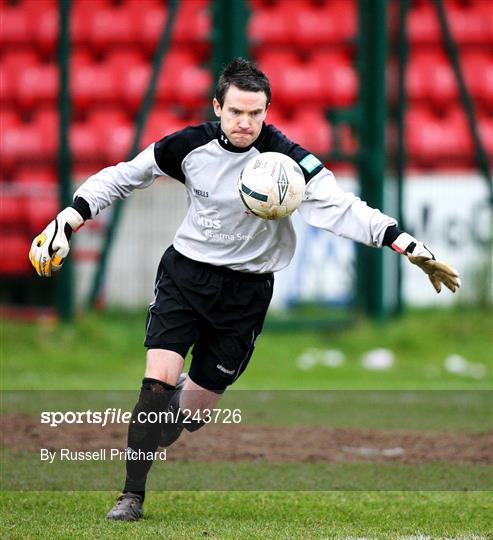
(217, 310)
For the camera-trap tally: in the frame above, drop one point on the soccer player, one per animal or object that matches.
(214, 284)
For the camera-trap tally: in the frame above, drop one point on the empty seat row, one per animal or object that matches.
(14, 259)
(327, 79)
(306, 25)
(471, 23)
(430, 76)
(435, 139)
(303, 25)
(27, 211)
(180, 81)
(101, 25)
(105, 138)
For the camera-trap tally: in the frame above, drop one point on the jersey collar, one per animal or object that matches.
(228, 145)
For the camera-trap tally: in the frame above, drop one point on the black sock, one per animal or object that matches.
(142, 494)
(144, 435)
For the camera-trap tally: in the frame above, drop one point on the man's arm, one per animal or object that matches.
(328, 207)
(118, 181)
(50, 248)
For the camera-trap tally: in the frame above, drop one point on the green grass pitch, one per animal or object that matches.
(104, 352)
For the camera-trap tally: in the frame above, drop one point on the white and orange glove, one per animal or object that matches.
(418, 254)
(50, 248)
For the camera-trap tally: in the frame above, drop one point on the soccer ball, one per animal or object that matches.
(271, 185)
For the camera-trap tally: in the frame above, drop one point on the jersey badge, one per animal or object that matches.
(310, 163)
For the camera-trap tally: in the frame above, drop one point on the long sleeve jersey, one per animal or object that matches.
(217, 228)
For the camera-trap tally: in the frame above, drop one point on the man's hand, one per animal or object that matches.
(49, 249)
(420, 255)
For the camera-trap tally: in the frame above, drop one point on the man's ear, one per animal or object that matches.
(217, 107)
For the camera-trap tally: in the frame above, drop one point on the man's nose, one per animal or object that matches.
(244, 122)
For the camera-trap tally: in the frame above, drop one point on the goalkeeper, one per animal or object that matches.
(214, 284)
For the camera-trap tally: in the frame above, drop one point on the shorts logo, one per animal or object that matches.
(224, 370)
(310, 163)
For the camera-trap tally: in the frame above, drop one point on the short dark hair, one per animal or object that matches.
(245, 75)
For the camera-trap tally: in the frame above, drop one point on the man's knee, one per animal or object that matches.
(164, 365)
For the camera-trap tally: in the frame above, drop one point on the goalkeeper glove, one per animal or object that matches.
(421, 256)
(49, 249)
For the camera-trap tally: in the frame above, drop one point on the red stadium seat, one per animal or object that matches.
(161, 123)
(468, 22)
(423, 143)
(438, 140)
(12, 66)
(416, 77)
(312, 26)
(442, 85)
(485, 126)
(16, 27)
(299, 84)
(275, 114)
(35, 7)
(8, 118)
(92, 84)
(272, 62)
(317, 129)
(46, 29)
(192, 23)
(14, 258)
(7, 85)
(142, 5)
(270, 26)
(38, 84)
(308, 129)
(81, 18)
(338, 77)
(35, 175)
(40, 210)
(326, 24)
(133, 85)
(12, 215)
(82, 15)
(149, 24)
(478, 72)
(192, 86)
(124, 57)
(344, 12)
(182, 81)
(116, 143)
(48, 121)
(113, 27)
(80, 57)
(85, 143)
(106, 117)
(24, 142)
(430, 76)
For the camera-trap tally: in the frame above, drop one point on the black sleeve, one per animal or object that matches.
(391, 234)
(171, 150)
(82, 206)
(272, 140)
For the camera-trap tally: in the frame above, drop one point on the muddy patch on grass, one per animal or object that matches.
(242, 442)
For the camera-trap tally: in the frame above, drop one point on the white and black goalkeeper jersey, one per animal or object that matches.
(217, 229)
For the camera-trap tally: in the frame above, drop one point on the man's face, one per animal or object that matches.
(242, 115)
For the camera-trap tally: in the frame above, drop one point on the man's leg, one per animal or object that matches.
(187, 399)
(162, 372)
